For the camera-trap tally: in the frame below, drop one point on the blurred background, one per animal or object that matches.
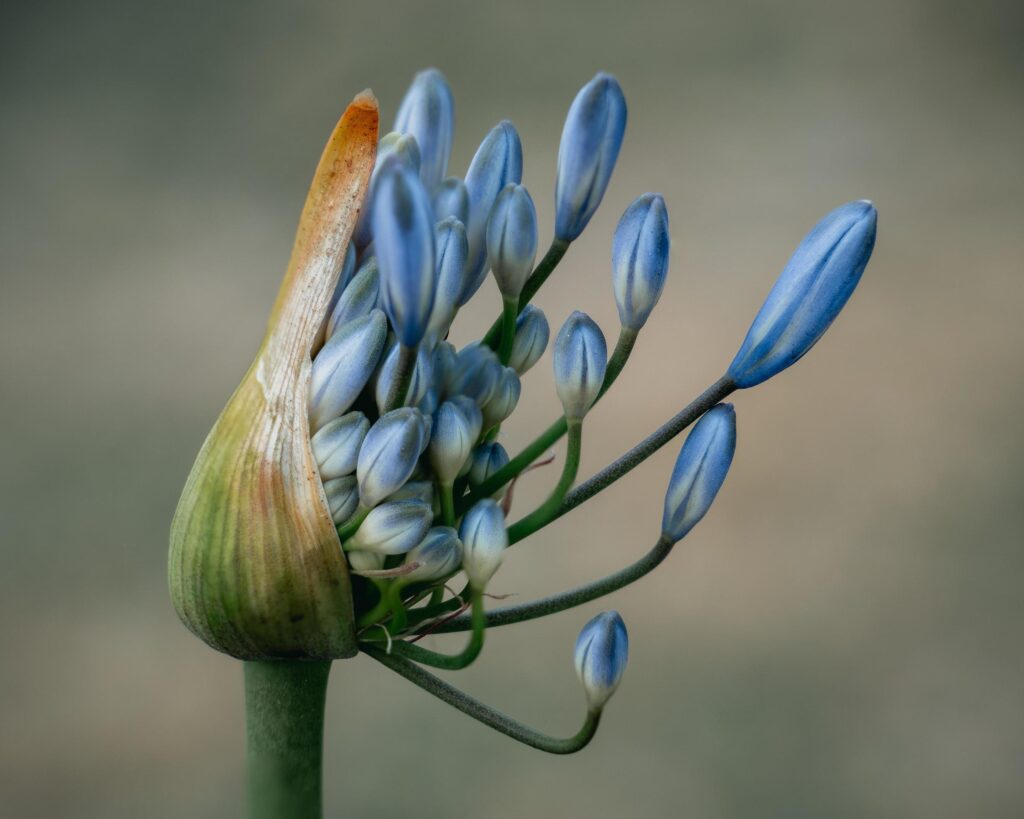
(841, 636)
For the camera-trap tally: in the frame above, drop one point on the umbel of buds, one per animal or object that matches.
(355, 495)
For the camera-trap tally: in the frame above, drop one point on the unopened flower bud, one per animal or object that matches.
(476, 374)
(444, 365)
(403, 148)
(580, 360)
(422, 491)
(487, 459)
(359, 298)
(360, 561)
(428, 113)
(389, 454)
(451, 199)
(348, 269)
(393, 528)
(484, 541)
(531, 339)
(699, 472)
(343, 366)
(438, 555)
(602, 650)
(452, 250)
(590, 144)
(342, 498)
(422, 376)
(504, 400)
(336, 445)
(512, 239)
(808, 294)
(452, 438)
(640, 259)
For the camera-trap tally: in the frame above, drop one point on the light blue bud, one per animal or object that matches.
(348, 268)
(531, 339)
(389, 454)
(428, 113)
(590, 144)
(392, 528)
(360, 561)
(422, 376)
(444, 365)
(498, 161)
(404, 149)
(452, 250)
(580, 360)
(512, 239)
(422, 491)
(504, 400)
(454, 433)
(484, 541)
(640, 259)
(336, 445)
(403, 237)
(438, 554)
(451, 199)
(343, 366)
(428, 404)
(602, 650)
(359, 298)
(477, 370)
(808, 294)
(342, 498)
(699, 472)
(487, 459)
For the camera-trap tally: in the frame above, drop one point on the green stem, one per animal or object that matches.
(351, 526)
(379, 611)
(484, 713)
(284, 719)
(509, 312)
(446, 492)
(451, 662)
(403, 377)
(549, 510)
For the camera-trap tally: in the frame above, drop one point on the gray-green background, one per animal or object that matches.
(840, 637)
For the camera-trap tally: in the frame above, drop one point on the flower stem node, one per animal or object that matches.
(602, 650)
(580, 360)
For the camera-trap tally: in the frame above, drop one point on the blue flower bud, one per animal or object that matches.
(454, 433)
(452, 250)
(422, 376)
(590, 144)
(602, 650)
(360, 561)
(498, 161)
(343, 366)
(699, 472)
(531, 339)
(640, 259)
(348, 268)
(359, 298)
(476, 374)
(511, 239)
(808, 294)
(389, 454)
(428, 113)
(580, 360)
(444, 365)
(405, 150)
(336, 445)
(392, 528)
(438, 555)
(487, 459)
(484, 541)
(403, 237)
(422, 491)
(342, 498)
(504, 400)
(451, 199)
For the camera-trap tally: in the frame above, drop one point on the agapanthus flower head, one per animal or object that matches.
(602, 650)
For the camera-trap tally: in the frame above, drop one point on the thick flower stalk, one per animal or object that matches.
(355, 495)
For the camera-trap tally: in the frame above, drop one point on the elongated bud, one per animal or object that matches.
(452, 252)
(428, 113)
(451, 199)
(487, 459)
(343, 366)
(348, 269)
(389, 454)
(498, 161)
(476, 374)
(255, 567)
(590, 144)
(452, 438)
(404, 149)
(422, 376)
(358, 299)
(342, 498)
(532, 334)
(393, 528)
(444, 365)
(504, 400)
(580, 360)
(438, 556)
(336, 445)
(484, 541)
(602, 650)
(808, 294)
(640, 250)
(512, 239)
(403, 236)
(699, 472)
(422, 491)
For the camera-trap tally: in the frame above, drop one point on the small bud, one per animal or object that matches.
(422, 376)
(455, 431)
(451, 199)
(640, 259)
(422, 491)
(359, 298)
(699, 472)
(504, 400)
(428, 113)
(438, 555)
(444, 364)
(476, 374)
(580, 360)
(405, 150)
(590, 144)
(392, 528)
(497, 162)
(403, 235)
(389, 454)
(484, 541)
(602, 650)
(343, 366)
(336, 445)
(808, 294)
(532, 334)
(512, 239)
(360, 561)
(342, 498)
(452, 250)
(487, 459)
